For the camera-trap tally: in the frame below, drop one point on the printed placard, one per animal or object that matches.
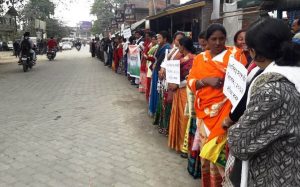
(127, 33)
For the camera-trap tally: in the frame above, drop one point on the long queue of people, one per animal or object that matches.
(257, 143)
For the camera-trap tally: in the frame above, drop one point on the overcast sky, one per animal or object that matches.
(77, 11)
(74, 12)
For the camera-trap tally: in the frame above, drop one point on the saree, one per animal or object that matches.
(194, 164)
(150, 60)
(143, 68)
(178, 120)
(153, 101)
(212, 107)
(166, 96)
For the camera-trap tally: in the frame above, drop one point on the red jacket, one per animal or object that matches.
(51, 44)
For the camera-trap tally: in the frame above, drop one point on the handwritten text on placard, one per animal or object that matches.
(235, 82)
(173, 71)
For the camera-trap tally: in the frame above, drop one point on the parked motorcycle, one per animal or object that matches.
(27, 62)
(51, 54)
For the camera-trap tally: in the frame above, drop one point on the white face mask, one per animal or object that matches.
(26, 37)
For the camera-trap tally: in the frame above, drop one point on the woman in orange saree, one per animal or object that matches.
(206, 80)
(178, 120)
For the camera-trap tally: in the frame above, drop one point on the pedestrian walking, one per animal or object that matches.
(17, 47)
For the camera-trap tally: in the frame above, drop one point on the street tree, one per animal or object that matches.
(36, 9)
(104, 10)
(55, 28)
(7, 4)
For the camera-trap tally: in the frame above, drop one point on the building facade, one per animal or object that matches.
(8, 26)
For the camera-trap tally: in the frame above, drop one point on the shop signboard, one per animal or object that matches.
(129, 12)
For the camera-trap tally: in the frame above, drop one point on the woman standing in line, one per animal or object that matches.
(163, 42)
(178, 121)
(150, 59)
(267, 136)
(162, 117)
(206, 82)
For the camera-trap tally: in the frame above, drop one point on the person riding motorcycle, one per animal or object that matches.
(52, 44)
(27, 47)
(78, 44)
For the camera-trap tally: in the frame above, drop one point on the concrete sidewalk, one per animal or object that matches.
(72, 122)
(7, 57)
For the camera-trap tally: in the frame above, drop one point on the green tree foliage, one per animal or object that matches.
(6, 4)
(56, 29)
(38, 9)
(104, 11)
(43, 10)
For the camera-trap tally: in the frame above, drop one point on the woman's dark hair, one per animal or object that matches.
(178, 33)
(235, 38)
(152, 34)
(188, 44)
(140, 32)
(202, 35)
(213, 28)
(165, 35)
(131, 39)
(271, 38)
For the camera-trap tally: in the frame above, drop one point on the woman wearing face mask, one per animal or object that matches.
(206, 80)
(266, 137)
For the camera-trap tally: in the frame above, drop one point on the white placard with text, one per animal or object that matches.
(127, 33)
(235, 82)
(173, 71)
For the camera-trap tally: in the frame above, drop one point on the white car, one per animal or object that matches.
(10, 45)
(66, 45)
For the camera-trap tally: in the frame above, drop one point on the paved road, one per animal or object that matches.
(72, 122)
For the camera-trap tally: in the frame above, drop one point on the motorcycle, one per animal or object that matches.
(78, 47)
(27, 62)
(51, 54)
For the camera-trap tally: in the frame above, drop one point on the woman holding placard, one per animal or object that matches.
(178, 120)
(206, 80)
(162, 118)
(266, 137)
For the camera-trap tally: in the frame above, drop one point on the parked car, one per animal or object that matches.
(4, 46)
(10, 45)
